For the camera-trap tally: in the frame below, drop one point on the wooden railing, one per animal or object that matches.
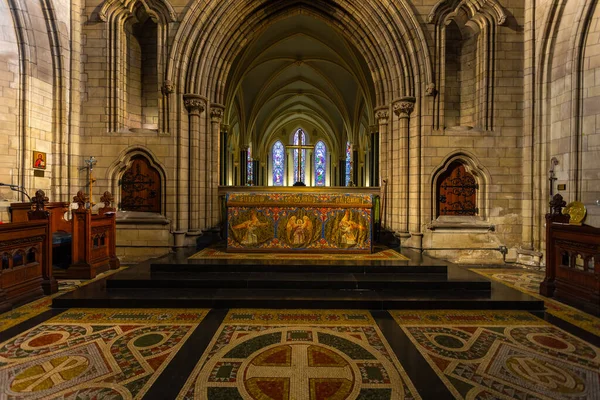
(572, 261)
(25, 262)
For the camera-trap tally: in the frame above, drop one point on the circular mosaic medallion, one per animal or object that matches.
(299, 363)
(315, 371)
(46, 339)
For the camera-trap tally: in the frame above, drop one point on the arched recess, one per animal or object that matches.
(465, 61)
(480, 179)
(117, 169)
(137, 35)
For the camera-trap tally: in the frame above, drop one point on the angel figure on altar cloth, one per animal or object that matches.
(299, 230)
(251, 225)
(349, 230)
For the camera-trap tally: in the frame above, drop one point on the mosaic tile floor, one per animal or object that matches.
(14, 317)
(529, 282)
(503, 355)
(295, 354)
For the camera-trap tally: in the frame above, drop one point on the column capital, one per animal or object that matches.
(194, 103)
(244, 147)
(216, 112)
(404, 106)
(373, 129)
(382, 115)
(225, 128)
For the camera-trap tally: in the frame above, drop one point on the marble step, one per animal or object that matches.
(281, 280)
(500, 298)
(287, 266)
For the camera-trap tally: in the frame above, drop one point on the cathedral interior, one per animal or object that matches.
(300, 199)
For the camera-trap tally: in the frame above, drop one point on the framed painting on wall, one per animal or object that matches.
(39, 160)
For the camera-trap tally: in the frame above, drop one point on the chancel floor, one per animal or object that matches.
(244, 353)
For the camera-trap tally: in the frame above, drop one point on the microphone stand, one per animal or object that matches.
(17, 189)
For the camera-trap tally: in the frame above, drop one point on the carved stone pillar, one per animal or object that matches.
(195, 105)
(382, 115)
(212, 192)
(223, 159)
(374, 156)
(244, 165)
(403, 108)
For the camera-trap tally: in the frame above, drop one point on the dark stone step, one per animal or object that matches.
(300, 281)
(296, 267)
(93, 296)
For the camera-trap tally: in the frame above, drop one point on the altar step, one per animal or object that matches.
(420, 283)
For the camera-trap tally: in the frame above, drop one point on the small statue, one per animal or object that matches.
(556, 204)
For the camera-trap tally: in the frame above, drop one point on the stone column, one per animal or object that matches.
(382, 115)
(403, 108)
(195, 105)
(374, 156)
(212, 203)
(223, 159)
(244, 165)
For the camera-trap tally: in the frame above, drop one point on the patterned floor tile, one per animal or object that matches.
(21, 314)
(216, 253)
(298, 354)
(503, 355)
(529, 282)
(96, 353)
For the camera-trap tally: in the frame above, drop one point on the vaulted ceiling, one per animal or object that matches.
(299, 73)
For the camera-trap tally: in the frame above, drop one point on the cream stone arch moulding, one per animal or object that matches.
(116, 170)
(474, 167)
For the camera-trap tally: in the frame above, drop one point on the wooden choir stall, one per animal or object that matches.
(572, 260)
(86, 243)
(26, 257)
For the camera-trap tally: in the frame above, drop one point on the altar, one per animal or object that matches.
(269, 219)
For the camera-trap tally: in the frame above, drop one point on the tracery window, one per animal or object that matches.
(320, 163)
(278, 163)
(348, 163)
(249, 169)
(299, 139)
(457, 191)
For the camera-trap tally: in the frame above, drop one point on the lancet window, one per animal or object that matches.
(249, 167)
(348, 163)
(320, 163)
(299, 156)
(278, 163)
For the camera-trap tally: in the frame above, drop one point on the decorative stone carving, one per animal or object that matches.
(373, 129)
(556, 204)
(382, 117)
(431, 90)
(225, 128)
(404, 107)
(167, 88)
(216, 114)
(81, 199)
(39, 200)
(194, 103)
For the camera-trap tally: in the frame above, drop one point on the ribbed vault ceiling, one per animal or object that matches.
(299, 73)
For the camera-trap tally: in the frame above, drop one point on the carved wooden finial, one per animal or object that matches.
(107, 198)
(39, 200)
(556, 204)
(81, 199)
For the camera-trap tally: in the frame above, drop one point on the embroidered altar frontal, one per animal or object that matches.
(303, 222)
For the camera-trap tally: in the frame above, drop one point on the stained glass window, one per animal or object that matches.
(348, 163)
(299, 139)
(249, 166)
(278, 163)
(320, 163)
